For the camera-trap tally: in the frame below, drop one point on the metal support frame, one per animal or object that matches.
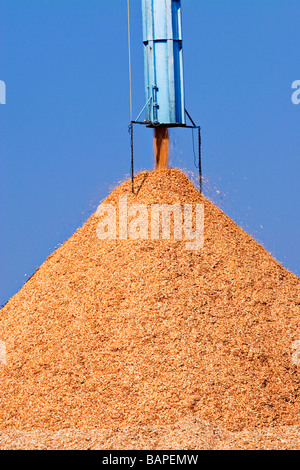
(152, 125)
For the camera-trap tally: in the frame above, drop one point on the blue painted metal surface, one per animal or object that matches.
(163, 61)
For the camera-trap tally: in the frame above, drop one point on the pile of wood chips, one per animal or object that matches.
(144, 334)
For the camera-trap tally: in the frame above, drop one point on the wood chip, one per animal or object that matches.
(144, 336)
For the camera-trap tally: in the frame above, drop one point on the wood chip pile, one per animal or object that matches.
(116, 333)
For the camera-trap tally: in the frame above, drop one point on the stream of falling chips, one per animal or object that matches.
(161, 147)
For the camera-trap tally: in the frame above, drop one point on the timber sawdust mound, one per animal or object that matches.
(144, 334)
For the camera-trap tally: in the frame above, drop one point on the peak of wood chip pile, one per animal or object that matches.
(124, 335)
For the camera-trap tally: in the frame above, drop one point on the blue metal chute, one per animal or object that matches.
(164, 85)
(163, 62)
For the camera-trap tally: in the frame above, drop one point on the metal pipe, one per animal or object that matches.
(163, 62)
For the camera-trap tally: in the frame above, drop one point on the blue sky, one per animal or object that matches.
(64, 141)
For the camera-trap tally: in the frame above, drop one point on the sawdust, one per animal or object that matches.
(133, 336)
(187, 434)
(161, 147)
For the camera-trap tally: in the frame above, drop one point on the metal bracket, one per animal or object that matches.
(152, 124)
